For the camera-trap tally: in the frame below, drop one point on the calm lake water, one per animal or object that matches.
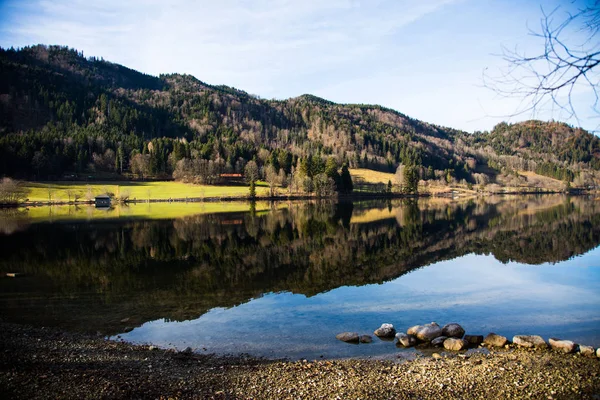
(282, 280)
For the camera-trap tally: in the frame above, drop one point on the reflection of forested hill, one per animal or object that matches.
(91, 276)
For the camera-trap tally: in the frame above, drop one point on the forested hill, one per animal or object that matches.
(64, 114)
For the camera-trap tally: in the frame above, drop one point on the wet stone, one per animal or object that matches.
(348, 337)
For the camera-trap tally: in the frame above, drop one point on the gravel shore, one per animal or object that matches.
(46, 363)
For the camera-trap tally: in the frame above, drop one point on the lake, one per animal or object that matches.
(281, 280)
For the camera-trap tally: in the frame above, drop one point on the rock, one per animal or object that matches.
(438, 341)
(348, 337)
(474, 340)
(566, 346)
(385, 331)
(455, 344)
(495, 340)
(598, 352)
(530, 341)
(406, 340)
(587, 351)
(425, 333)
(365, 339)
(436, 356)
(453, 330)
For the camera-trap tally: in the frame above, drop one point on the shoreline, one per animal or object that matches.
(50, 363)
(343, 197)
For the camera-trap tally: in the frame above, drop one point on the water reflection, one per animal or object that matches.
(111, 274)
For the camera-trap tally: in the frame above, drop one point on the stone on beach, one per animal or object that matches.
(474, 340)
(495, 340)
(385, 331)
(348, 337)
(566, 346)
(406, 340)
(438, 341)
(587, 351)
(425, 333)
(455, 344)
(453, 330)
(530, 341)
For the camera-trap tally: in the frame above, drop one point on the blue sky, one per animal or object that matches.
(423, 58)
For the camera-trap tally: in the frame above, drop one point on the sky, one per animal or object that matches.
(424, 58)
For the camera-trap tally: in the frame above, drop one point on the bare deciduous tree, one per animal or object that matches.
(140, 165)
(567, 62)
(272, 179)
(12, 192)
(70, 194)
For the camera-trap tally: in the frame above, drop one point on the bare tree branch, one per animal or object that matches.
(568, 62)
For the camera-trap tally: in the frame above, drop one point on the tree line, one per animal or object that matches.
(64, 116)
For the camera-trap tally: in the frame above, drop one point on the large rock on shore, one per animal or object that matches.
(385, 331)
(348, 337)
(566, 346)
(474, 340)
(587, 351)
(495, 340)
(598, 352)
(425, 333)
(453, 330)
(530, 341)
(406, 340)
(455, 344)
(438, 341)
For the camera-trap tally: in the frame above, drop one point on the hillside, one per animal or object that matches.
(64, 115)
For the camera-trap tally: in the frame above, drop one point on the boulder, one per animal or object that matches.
(455, 344)
(587, 351)
(495, 340)
(365, 339)
(566, 346)
(348, 337)
(385, 331)
(438, 341)
(530, 341)
(598, 352)
(406, 340)
(425, 333)
(474, 340)
(453, 330)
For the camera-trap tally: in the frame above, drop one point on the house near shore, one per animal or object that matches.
(102, 201)
(230, 178)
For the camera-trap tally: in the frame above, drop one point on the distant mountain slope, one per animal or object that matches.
(63, 113)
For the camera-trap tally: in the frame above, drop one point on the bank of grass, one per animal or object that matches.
(371, 176)
(141, 191)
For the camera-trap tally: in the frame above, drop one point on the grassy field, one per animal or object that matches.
(370, 176)
(59, 191)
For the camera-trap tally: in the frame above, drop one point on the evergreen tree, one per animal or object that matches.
(346, 185)
(252, 190)
(331, 170)
(411, 179)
